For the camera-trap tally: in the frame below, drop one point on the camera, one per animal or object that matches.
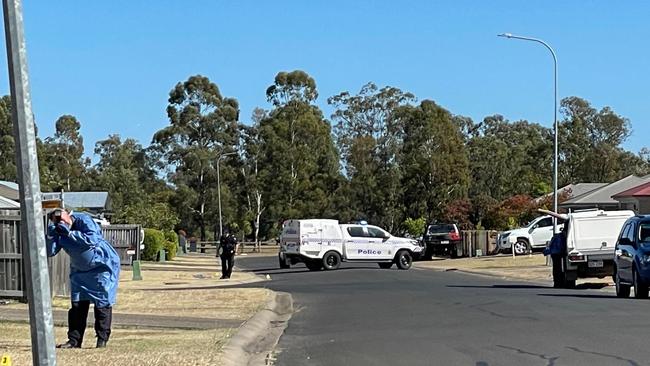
(55, 216)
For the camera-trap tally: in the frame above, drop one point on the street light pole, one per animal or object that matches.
(32, 233)
(219, 190)
(555, 126)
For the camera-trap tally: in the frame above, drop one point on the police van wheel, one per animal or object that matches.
(403, 260)
(331, 260)
(385, 265)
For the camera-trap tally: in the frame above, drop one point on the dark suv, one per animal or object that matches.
(632, 258)
(441, 239)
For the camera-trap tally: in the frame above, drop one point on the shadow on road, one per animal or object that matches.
(277, 270)
(500, 286)
(582, 286)
(586, 296)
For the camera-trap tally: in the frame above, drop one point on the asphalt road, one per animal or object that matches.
(363, 315)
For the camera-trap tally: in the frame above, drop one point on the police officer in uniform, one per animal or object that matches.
(94, 273)
(227, 250)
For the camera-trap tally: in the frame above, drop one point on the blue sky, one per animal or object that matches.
(113, 63)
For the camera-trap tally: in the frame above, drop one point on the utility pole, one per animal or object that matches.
(31, 212)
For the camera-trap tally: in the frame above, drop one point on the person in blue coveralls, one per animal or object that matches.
(557, 250)
(94, 273)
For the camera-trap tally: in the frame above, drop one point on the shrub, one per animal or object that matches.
(154, 240)
(171, 248)
(170, 235)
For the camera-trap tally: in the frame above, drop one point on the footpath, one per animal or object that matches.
(179, 313)
(530, 268)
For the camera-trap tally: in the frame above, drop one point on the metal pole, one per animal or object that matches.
(219, 194)
(555, 126)
(219, 191)
(33, 234)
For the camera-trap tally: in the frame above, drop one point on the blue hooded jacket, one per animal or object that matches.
(557, 244)
(94, 263)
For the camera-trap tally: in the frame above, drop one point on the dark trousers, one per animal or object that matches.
(78, 316)
(227, 262)
(558, 270)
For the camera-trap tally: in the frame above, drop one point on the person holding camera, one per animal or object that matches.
(94, 273)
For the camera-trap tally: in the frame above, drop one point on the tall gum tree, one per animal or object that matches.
(365, 136)
(300, 168)
(203, 126)
(434, 162)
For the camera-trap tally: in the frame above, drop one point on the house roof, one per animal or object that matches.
(10, 185)
(7, 203)
(638, 191)
(603, 195)
(574, 190)
(9, 190)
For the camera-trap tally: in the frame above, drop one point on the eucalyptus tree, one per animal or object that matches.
(365, 135)
(63, 156)
(7, 145)
(298, 165)
(433, 159)
(203, 126)
(591, 144)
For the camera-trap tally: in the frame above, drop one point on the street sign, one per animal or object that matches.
(51, 204)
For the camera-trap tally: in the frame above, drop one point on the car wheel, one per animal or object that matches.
(314, 265)
(385, 265)
(331, 260)
(403, 259)
(284, 264)
(622, 290)
(640, 288)
(520, 247)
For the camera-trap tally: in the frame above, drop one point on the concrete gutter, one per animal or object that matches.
(255, 341)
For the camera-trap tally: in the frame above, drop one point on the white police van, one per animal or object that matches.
(321, 243)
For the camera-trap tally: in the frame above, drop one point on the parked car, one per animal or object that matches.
(535, 235)
(441, 239)
(632, 258)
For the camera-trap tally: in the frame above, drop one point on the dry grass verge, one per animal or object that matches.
(186, 287)
(127, 347)
(530, 268)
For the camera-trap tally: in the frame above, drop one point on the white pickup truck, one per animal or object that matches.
(321, 243)
(535, 235)
(591, 239)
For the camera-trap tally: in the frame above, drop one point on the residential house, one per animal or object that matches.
(636, 198)
(602, 197)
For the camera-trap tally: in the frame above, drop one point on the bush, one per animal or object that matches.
(170, 235)
(154, 240)
(171, 248)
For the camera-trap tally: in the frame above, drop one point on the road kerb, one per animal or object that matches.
(255, 341)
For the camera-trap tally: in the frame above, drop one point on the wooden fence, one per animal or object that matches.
(125, 238)
(12, 280)
(244, 247)
(478, 242)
